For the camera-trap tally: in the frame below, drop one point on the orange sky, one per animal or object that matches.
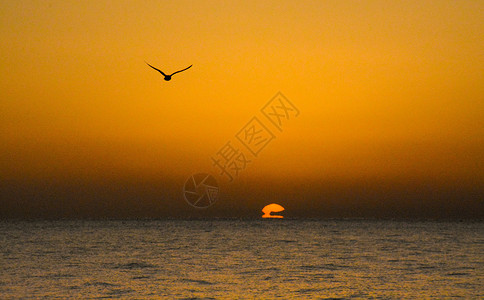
(385, 89)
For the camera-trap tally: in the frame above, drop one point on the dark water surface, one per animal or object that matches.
(226, 259)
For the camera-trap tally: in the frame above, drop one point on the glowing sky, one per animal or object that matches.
(387, 91)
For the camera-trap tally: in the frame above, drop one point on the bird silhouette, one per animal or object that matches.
(168, 77)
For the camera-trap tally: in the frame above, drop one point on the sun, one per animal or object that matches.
(272, 208)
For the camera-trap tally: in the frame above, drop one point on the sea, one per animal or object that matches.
(241, 259)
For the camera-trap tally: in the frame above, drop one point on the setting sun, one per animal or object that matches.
(268, 209)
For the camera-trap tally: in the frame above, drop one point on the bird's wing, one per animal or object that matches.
(181, 70)
(156, 69)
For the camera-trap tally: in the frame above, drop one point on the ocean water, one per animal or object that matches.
(241, 259)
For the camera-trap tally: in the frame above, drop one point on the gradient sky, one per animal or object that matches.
(390, 94)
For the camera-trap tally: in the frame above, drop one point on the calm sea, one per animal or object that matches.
(230, 259)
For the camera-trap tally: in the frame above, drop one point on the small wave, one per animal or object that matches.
(134, 265)
(118, 292)
(425, 267)
(141, 277)
(197, 281)
(287, 241)
(330, 267)
(12, 258)
(99, 283)
(74, 287)
(310, 267)
(309, 290)
(58, 275)
(458, 274)
(322, 276)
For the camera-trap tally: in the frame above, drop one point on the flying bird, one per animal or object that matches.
(168, 77)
